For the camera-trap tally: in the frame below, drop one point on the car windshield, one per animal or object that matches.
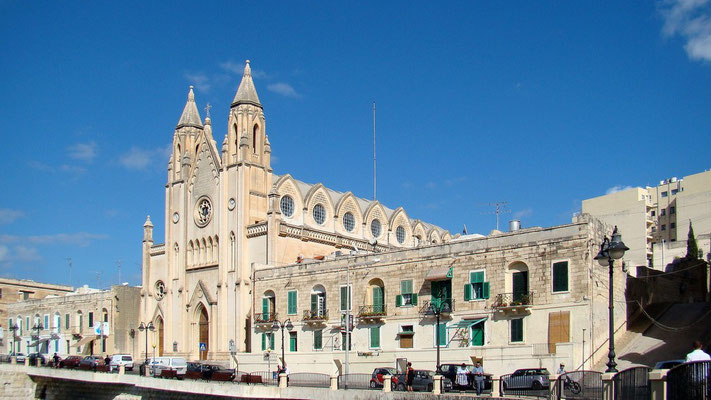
(390, 371)
(126, 358)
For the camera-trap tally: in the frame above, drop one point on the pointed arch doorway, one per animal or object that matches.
(161, 335)
(203, 333)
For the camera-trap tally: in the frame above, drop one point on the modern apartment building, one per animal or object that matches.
(652, 216)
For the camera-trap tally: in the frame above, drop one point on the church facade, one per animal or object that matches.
(226, 212)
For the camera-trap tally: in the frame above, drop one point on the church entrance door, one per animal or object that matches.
(204, 334)
(159, 325)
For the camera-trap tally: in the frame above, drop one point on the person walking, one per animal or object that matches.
(107, 361)
(561, 369)
(697, 354)
(462, 375)
(55, 358)
(478, 378)
(410, 376)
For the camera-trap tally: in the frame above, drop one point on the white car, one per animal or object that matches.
(177, 364)
(121, 359)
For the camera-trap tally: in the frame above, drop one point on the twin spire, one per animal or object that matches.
(246, 94)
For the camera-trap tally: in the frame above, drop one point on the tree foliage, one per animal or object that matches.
(692, 249)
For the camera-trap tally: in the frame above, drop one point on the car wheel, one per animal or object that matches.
(536, 385)
(372, 384)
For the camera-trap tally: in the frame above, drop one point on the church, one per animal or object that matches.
(227, 212)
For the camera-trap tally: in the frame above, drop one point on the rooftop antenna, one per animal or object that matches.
(69, 262)
(500, 209)
(374, 158)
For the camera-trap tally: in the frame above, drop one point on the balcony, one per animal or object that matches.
(513, 302)
(437, 306)
(315, 317)
(263, 318)
(372, 312)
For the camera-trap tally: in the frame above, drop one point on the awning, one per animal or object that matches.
(466, 323)
(85, 341)
(439, 274)
(36, 342)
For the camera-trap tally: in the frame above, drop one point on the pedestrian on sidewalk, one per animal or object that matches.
(478, 378)
(698, 353)
(410, 376)
(462, 375)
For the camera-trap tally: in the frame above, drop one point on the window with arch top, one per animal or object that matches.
(400, 234)
(255, 131)
(349, 221)
(287, 206)
(375, 227)
(319, 213)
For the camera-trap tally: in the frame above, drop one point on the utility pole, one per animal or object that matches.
(374, 158)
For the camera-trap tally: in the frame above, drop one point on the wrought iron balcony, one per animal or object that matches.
(265, 318)
(437, 306)
(372, 311)
(513, 301)
(315, 316)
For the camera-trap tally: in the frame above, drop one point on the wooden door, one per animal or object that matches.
(520, 285)
(204, 333)
(160, 337)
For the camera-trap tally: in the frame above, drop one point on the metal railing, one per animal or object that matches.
(263, 377)
(507, 300)
(315, 316)
(434, 306)
(309, 379)
(632, 384)
(580, 385)
(371, 311)
(689, 381)
(357, 381)
(265, 318)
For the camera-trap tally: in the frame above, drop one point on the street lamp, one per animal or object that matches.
(14, 329)
(611, 250)
(144, 327)
(38, 327)
(281, 325)
(438, 308)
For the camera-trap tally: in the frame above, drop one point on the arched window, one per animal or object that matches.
(375, 228)
(400, 234)
(319, 213)
(287, 206)
(232, 251)
(348, 221)
(254, 138)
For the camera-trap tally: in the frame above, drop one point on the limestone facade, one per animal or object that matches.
(225, 211)
(87, 321)
(14, 290)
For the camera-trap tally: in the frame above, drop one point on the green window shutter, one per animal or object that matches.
(477, 277)
(517, 330)
(442, 335)
(264, 341)
(467, 292)
(414, 299)
(291, 300)
(271, 341)
(398, 300)
(318, 339)
(478, 335)
(378, 299)
(314, 302)
(560, 276)
(375, 337)
(406, 286)
(345, 303)
(485, 290)
(292, 341)
(265, 309)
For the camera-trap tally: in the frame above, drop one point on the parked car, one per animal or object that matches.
(423, 380)
(121, 359)
(376, 380)
(34, 357)
(20, 357)
(209, 372)
(168, 366)
(70, 362)
(450, 371)
(528, 378)
(91, 363)
(669, 364)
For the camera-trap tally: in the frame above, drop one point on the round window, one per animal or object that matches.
(160, 290)
(287, 206)
(203, 211)
(319, 214)
(400, 234)
(375, 228)
(348, 221)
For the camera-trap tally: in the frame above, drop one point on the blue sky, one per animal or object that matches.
(540, 104)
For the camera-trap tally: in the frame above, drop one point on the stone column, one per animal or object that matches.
(387, 383)
(121, 369)
(495, 386)
(553, 378)
(27, 361)
(437, 384)
(608, 386)
(13, 360)
(282, 380)
(658, 384)
(38, 361)
(334, 382)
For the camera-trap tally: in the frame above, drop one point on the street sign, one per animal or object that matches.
(203, 346)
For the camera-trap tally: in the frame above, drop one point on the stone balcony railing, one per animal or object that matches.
(373, 312)
(265, 318)
(513, 301)
(315, 317)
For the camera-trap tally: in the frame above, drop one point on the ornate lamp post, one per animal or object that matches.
(146, 328)
(281, 325)
(611, 250)
(38, 327)
(14, 329)
(438, 308)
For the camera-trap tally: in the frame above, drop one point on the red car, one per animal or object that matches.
(70, 362)
(376, 381)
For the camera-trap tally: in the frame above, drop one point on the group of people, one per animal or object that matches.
(477, 374)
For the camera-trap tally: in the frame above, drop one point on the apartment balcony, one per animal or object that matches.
(373, 312)
(265, 318)
(315, 317)
(437, 306)
(513, 302)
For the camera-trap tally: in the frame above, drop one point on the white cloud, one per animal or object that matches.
(690, 19)
(199, 80)
(8, 216)
(136, 158)
(25, 254)
(83, 151)
(617, 188)
(283, 89)
(526, 212)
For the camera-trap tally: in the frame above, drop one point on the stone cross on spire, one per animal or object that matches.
(207, 110)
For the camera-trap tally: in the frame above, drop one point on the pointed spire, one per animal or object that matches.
(246, 93)
(191, 116)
